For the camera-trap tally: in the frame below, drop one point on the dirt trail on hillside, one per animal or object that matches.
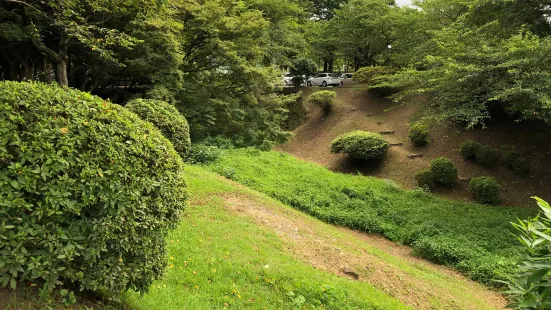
(358, 109)
(367, 258)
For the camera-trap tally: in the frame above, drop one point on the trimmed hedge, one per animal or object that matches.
(368, 75)
(485, 189)
(89, 191)
(487, 156)
(425, 178)
(167, 118)
(443, 171)
(515, 161)
(203, 154)
(325, 99)
(361, 145)
(469, 149)
(419, 134)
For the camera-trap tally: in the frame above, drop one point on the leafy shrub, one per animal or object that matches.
(425, 178)
(361, 145)
(443, 171)
(469, 149)
(203, 154)
(485, 189)
(530, 285)
(325, 99)
(166, 117)
(419, 134)
(89, 191)
(297, 81)
(368, 75)
(487, 156)
(515, 161)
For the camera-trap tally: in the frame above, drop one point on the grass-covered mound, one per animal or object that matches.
(167, 118)
(89, 191)
(473, 238)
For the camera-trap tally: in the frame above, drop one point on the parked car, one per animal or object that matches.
(346, 78)
(287, 78)
(324, 79)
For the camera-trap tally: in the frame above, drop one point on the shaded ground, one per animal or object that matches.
(357, 109)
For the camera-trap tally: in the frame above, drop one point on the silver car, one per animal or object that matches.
(324, 79)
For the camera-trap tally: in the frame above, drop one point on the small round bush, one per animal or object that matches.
(325, 99)
(487, 156)
(485, 189)
(203, 154)
(167, 118)
(469, 149)
(515, 161)
(443, 171)
(89, 191)
(419, 134)
(425, 178)
(361, 145)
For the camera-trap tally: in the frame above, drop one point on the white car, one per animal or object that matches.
(324, 79)
(346, 78)
(287, 78)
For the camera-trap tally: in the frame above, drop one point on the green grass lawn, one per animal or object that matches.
(220, 260)
(473, 238)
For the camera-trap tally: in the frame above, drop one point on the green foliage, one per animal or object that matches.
(203, 154)
(297, 81)
(166, 117)
(487, 156)
(89, 191)
(469, 149)
(515, 161)
(361, 145)
(425, 178)
(530, 286)
(325, 99)
(444, 171)
(485, 189)
(471, 237)
(419, 134)
(369, 75)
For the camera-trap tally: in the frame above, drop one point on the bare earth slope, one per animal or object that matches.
(357, 109)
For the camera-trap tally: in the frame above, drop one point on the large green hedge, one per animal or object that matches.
(89, 191)
(167, 118)
(361, 145)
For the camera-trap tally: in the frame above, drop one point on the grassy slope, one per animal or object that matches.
(222, 260)
(473, 238)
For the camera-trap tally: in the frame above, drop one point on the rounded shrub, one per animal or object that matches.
(469, 149)
(89, 191)
(515, 161)
(419, 134)
(203, 154)
(487, 156)
(325, 99)
(443, 171)
(485, 189)
(368, 75)
(425, 178)
(167, 118)
(361, 145)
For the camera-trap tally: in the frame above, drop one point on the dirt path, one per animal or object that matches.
(357, 109)
(367, 258)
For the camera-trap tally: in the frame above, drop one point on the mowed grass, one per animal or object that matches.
(475, 239)
(220, 260)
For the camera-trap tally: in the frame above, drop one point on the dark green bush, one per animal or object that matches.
(361, 145)
(297, 81)
(167, 118)
(469, 149)
(485, 189)
(203, 154)
(425, 178)
(325, 99)
(487, 156)
(515, 161)
(368, 75)
(89, 191)
(444, 171)
(419, 134)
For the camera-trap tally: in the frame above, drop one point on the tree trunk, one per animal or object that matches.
(61, 72)
(331, 65)
(325, 65)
